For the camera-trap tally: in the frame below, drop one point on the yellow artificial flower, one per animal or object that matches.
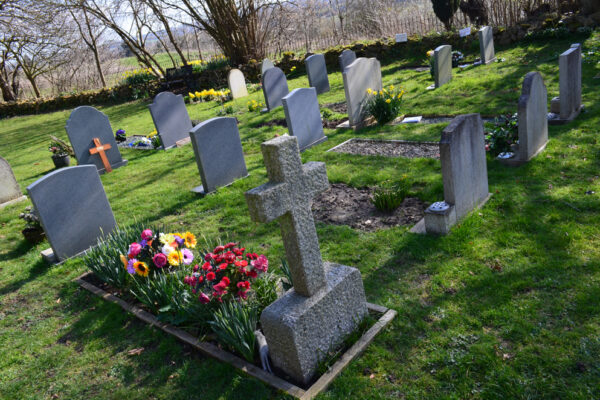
(166, 238)
(123, 260)
(190, 239)
(141, 268)
(430, 53)
(175, 258)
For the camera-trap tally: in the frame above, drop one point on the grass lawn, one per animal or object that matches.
(506, 306)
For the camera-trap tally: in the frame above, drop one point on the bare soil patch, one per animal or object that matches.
(390, 148)
(273, 122)
(345, 205)
(341, 107)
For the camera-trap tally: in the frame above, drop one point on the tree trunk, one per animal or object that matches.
(7, 92)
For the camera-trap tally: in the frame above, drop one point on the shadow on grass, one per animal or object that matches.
(39, 269)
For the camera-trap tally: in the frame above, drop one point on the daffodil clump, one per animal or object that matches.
(211, 94)
(138, 76)
(213, 62)
(255, 106)
(384, 105)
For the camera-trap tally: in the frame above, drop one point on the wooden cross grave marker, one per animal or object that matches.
(100, 150)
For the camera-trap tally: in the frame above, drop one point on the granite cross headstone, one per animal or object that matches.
(328, 301)
(73, 209)
(362, 74)
(275, 87)
(303, 117)
(464, 172)
(9, 188)
(346, 58)
(568, 104)
(237, 84)
(170, 118)
(486, 45)
(218, 152)
(265, 65)
(317, 73)
(83, 126)
(442, 65)
(533, 121)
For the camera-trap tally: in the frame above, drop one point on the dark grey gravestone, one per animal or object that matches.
(533, 121)
(464, 172)
(346, 58)
(362, 74)
(569, 64)
(442, 65)
(73, 209)
(317, 73)
(275, 87)
(486, 45)
(218, 152)
(303, 117)
(265, 65)
(328, 300)
(86, 123)
(170, 118)
(9, 188)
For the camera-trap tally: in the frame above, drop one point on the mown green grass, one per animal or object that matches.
(506, 306)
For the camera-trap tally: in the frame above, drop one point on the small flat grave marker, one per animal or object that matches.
(83, 126)
(274, 87)
(9, 188)
(237, 84)
(316, 69)
(401, 37)
(218, 152)
(464, 32)
(303, 117)
(170, 118)
(73, 209)
(412, 120)
(328, 300)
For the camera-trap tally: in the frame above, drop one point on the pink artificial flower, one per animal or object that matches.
(146, 234)
(206, 266)
(260, 264)
(243, 294)
(204, 298)
(160, 260)
(188, 257)
(220, 287)
(134, 249)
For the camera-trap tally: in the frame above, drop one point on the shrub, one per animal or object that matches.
(138, 77)
(234, 326)
(388, 197)
(504, 134)
(384, 105)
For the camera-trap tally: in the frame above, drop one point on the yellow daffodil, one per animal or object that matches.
(192, 96)
(388, 101)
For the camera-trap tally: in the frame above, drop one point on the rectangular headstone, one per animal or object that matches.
(569, 64)
(237, 84)
(317, 73)
(401, 37)
(362, 74)
(86, 123)
(303, 117)
(73, 209)
(275, 87)
(346, 58)
(442, 65)
(170, 118)
(464, 31)
(486, 45)
(219, 154)
(9, 188)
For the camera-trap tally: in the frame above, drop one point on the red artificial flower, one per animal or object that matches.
(209, 256)
(219, 249)
(243, 294)
(218, 258)
(238, 252)
(204, 298)
(220, 288)
(261, 263)
(242, 263)
(244, 285)
(196, 267)
(229, 257)
(252, 256)
(226, 280)
(200, 279)
(252, 274)
(222, 266)
(210, 276)
(206, 266)
(230, 245)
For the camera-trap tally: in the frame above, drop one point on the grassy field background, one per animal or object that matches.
(506, 306)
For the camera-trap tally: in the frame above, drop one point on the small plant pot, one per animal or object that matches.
(34, 235)
(61, 161)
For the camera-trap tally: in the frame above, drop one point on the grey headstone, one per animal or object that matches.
(570, 82)
(9, 188)
(362, 74)
(218, 152)
(464, 167)
(73, 209)
(303, 117)
(442, 65)
(275, 87)
(328, 300)
(533, 121)
(170, 118)
(486, 45)
(86, 123)
(346, 58)
(265, 65)
(237, 84)
(317, 73)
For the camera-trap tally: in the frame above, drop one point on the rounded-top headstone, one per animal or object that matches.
(275, 87)
(346, 58)
(533, 121)
(266, 64)
(9, 188)
(237, 84)
(316, 69)
(171, 118)
(303, 117)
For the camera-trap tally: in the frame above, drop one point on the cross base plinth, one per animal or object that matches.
(300, 330)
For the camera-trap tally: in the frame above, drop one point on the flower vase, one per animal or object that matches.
(61, 161)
